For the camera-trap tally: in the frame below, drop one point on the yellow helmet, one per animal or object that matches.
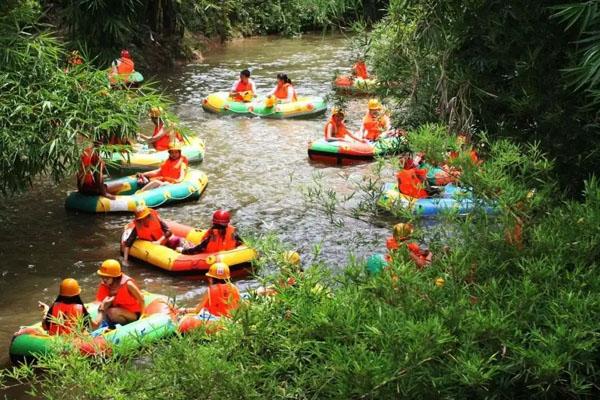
(69, 287)
(337, 110)
(219, 270)
(291, 257)
(110, 269)
(155, 112)
(374, 104)
(175, 146)
(141, 211)
(402, 231)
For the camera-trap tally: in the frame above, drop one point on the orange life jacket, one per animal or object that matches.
(413, 247)
(164, 142)
(170, 170)
(125, 67)
(410, 182)
(90, 165)
(216, 242)
(221, 299)
(360, 70)
(64, 318)
(281, 92)
(123, 298)
(338, 130)
(243, 86)
(373, 126)
(149, 228)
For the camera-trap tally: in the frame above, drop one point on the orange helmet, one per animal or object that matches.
(219, 270)
(110, 269)
(402, 231)
(141, 211)
(69, 287)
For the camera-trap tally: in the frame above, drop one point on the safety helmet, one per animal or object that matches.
(141, 211)
(291, 257)
(374, 104)
(337, 111)
(125, 53)
(175, 146)
(110, 269)
(219, 270)
(402, 231)
(221, 217)
(155, 112)
(69, 287)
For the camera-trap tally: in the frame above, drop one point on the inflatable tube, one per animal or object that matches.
(221, 103)
(303, 107)
(355, 86)
(144, 158)
(158, 321)
(238, 259)
(127, 199)
(345, 153)
(452, 199)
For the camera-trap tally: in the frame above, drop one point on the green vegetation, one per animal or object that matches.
(527, 71)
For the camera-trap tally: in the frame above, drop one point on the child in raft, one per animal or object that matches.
(244, 89)
(335, 129)
(222, 236)
(67, 312)
(375, 124)
(284, 92)
(222, 296)
(162, 136)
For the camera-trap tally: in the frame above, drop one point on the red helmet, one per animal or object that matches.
(221, 217)
(125, 53)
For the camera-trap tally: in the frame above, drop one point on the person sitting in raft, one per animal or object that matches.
(90, 177)
(173, 170)
(122, 68)
(67, 311)
(162, 136)
(375, 124)
(335, 129)
(121, 301)
(359, 69)
(222, 236)
(244, 88)
(412, 181)
(222, 296)
(401, 235)
(150, 227)
(284, 92)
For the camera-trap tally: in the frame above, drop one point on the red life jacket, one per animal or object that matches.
(170, 170)
(282, 92)
(164, 142)
(149, 228)
(360, 70)
(64, 318)
(123, 298)
(410, 184)
(216, 242)
(221, 299)
(338, 131)
(374, 127)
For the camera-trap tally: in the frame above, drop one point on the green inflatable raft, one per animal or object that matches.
(222, 103)
(127, 199)
(157, 321)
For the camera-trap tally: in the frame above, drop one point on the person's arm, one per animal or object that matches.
(47, 314)
(199, 248)
(234, 86)
(355, 137)
(128, 243)
(166, 232)
(253, 87)
(290, 94)
(161, 132)
(238, 239)
(136, 293)
(182, 173)
(151, 174)
(329, 133)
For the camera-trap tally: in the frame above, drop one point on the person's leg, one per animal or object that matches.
(153, 185)
(118, 315)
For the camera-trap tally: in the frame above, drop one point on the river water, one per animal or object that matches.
(256, 169)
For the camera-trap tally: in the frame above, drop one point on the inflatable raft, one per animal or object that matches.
(303, 107)
(452, 199)
(158, 321)
(127, 199)
(345, 153)
(222, 103)
(144, 158)
(355, 86)
(238, 259)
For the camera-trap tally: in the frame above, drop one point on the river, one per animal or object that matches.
(256, 169)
